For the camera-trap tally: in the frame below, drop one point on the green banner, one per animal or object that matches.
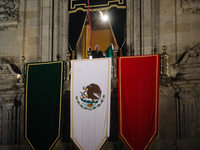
(43, 98)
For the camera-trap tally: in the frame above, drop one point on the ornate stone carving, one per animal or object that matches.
(188, 112)
(188, 80)
(9, 13)
(8, 76)
(191, 57)
(5, 67)
(189, 64)
(191, 6)
(9, 102)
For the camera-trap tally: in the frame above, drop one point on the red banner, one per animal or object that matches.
(138, 85)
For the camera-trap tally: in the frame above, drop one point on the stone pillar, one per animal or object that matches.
(114, 63)
(67, 75)
(141, 27)
(8, 121)
(60, 29)
(45, 30)
(53, 34)
(129, 26)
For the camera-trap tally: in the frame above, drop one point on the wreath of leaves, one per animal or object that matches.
(86, 108)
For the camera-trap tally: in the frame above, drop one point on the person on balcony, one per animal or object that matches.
(97, 53)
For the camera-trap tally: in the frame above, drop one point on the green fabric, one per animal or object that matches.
(109, 52)
(44, 83)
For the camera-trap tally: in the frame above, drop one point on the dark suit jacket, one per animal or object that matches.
(97, 54)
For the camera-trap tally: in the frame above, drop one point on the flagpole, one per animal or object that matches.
(89, 24)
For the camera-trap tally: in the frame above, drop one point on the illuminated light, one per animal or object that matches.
(101, 14)
(105, 18)
(18, 76)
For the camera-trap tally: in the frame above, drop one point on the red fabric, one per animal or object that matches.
(138, 100)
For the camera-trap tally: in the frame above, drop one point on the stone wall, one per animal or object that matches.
(179, 105)
(177, 28)
(21, 39)
(9, 22)
(142, 27)
(35, 34)
(40, 37)
(157, 23)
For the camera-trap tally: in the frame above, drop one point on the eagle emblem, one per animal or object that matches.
(91, 97)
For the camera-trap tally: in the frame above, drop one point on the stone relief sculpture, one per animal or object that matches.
(189, 62)
(9, 13)
(190, 6)
(187, 80)
(8, 77)
(191, 57)
(10, 97)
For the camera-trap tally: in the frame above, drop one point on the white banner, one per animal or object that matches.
(90, 102)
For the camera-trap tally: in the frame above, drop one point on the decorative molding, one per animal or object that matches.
(10, 100)
(188, 113)
(2, 99)
(191, 6)
(189, 64)
(9, 14)
(198, 100)
(9, 75)
(166, 90)
(188, 79)
(191, 58)
(9, 107)
(5, 67)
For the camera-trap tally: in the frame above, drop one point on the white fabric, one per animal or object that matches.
(90, 128)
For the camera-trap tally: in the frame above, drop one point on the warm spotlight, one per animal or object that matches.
(102, 16)
(105, 18)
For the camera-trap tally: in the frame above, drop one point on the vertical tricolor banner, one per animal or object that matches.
(90, 102)
(138, 86)
(43, 100)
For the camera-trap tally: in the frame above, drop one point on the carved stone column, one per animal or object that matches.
(8, 122)
(188, 96)
(9, 91)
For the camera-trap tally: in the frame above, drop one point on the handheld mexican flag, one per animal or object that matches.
(109, 51)
(90, 102)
